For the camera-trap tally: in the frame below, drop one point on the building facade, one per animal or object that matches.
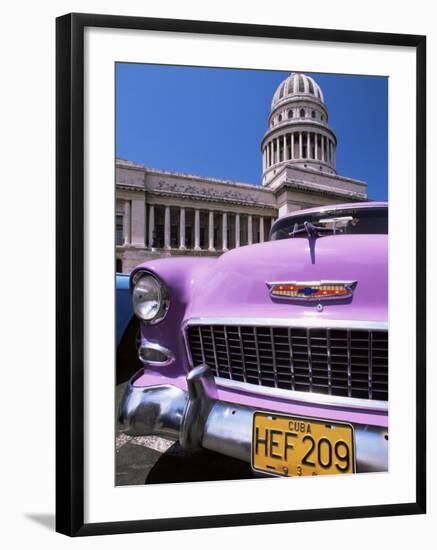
(161, 213)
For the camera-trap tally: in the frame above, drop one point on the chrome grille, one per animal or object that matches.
(343, 362)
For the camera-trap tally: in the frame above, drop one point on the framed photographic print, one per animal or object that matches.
(240, 274)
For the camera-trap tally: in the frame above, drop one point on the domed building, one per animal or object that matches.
(298, 133)
(162, 213)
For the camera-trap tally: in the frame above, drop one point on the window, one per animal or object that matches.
(313, 114)
(158, 238)
(290, 114)
(118, 265)
(301, 84)
(174, 236)
(322, 118)
(302, 113)
(279, 118)
(365, 221)
(119, 232)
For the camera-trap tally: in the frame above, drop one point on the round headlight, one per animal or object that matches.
(149, 298)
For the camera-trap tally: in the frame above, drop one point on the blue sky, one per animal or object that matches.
(210, 122)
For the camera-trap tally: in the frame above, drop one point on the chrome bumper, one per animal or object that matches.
(199, 420)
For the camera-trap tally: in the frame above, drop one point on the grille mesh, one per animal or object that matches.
(343, 362)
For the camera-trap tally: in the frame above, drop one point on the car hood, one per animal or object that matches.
(235, 286)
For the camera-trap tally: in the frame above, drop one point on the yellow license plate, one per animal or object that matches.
(296, 446)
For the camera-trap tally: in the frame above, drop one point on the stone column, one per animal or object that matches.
(127, 223)
(292, 145)
(197, 230)
(167, 229)
(224, 231)
(211, 231)
(182, 229)
(151, 226)
(308, 146)
(137, 222)
(284, 156)
(237, 230)
(316, 146)
(261, 229)
(323, 148)
(249, 230)
(300, 145)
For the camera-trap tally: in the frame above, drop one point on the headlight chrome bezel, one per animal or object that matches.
(164, 298)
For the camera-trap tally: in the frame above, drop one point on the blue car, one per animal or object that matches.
(127, 330)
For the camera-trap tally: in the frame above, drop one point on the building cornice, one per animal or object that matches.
(306, 171)
(210, 198)
(120, 163)
(314, 188)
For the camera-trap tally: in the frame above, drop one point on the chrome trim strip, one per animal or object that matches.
(201, 345)
(310, 361)
(329, 359)
(243, 361)
(349, 364)
(290, 346)
(214, 350)
(298, 322)
(306, 397)
(228, 353)
(275, 369)
(258, 360)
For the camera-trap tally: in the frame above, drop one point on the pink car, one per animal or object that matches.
(274, 353)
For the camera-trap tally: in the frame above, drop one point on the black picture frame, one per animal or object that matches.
(70, 273)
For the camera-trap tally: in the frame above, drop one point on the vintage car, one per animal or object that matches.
(274, 353)
(126, 330)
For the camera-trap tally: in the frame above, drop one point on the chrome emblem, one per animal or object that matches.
(312, 290)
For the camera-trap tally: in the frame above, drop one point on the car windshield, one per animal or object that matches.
(346, 221)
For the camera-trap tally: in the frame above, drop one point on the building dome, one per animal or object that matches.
(297, 84)
(298, 133)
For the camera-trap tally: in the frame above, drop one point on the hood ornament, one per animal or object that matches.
(312, 290)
